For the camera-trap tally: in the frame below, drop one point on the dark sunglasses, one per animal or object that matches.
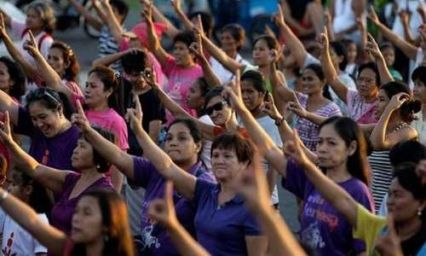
(218, 107)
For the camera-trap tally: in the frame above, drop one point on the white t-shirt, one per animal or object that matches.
(207, 144)
(16, 240)
(221, 72)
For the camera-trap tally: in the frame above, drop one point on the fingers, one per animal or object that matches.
(80, 109)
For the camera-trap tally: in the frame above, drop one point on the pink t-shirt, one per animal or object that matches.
(112, 122)
(360, 110)
(180, 80)
(18, 30)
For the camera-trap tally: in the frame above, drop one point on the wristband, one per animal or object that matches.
(279, 121)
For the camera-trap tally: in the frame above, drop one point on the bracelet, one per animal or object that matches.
(4, 196)
(279, 121)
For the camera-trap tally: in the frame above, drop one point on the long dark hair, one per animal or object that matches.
(17, 90)
(117, 237)
(50, 99)
(70, 58)
(349, 131)
(102, 165)
(39, 199)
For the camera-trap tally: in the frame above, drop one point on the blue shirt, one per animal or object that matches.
(155, 240)
(221, 229)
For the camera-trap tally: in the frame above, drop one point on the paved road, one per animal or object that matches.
(86, 50)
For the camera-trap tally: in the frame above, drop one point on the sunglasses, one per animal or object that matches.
(216, 107)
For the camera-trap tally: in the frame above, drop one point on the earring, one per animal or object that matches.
(419, 212)
(106, 238)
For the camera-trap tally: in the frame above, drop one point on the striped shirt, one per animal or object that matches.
(108, 45)
(382, 175)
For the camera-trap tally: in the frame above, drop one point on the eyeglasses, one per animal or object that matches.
(216, 107)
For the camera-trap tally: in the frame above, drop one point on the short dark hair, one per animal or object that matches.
(419, 74)
(50, 99)
(134, 62)
(407, 151)
(121, 6)
(186, 37)
(237, 32)
(206, 20)
(17, 90)
(102, 165)
(256, 78)
(340, 51)
(373, 67)
(243, 148)
(193, 128)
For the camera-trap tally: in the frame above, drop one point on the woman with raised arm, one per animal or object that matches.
(68, 185)
(340, 153)
(395, 111)
(231, 156)
(99, 225)
(407, 201)
(183, 144)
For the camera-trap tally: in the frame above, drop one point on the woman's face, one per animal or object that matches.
(218, 110)
(419, 91)
(182, 54)
(389, 55)
(48, 121)
(252, 98)
(366, 83)
(194, 99)
(180, 144)
(352, 53)
(87, 221)
(261, 53)
(228, 42)
(82, 155)
(94, 93)
(5, 80)
(402, 204)
(34, 21)
(136, 79)
(331, 148)
(15, 185)
(311, 84)
(225, 164)
(55, 58)
(383, 101)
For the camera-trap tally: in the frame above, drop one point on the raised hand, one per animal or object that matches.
(134, 115)
(232, 91)
(31, 46)
(372, 47)
(3, 30)
(323, 40)
(176, 4)
(389, 244)
(197, 49)
(404, 16)
(279, 17)
(372, 16)
(270, 109)
(5, 131)
(297, 108)
(79, 118)
(293, 148)
(163, 210)
(147, 10)
(397, 101)
(198, 27)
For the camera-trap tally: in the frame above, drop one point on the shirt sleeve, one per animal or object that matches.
(38, 247)
(142, 171)
(202, 188)
(45, 45)
(368, 227)
(251, 227)
(295, 180)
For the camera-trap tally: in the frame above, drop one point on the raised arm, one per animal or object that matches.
(254, 188)
(292, 42)
(112, 22)
(48, 177)
(29, 69)
(332, 192)
(159, 17)
(176, 110)
(108, 150)
(108, 59)
(373, 48)
(183, 181)
(379, 138)
(330, 72)
(90, 19)
(27, 218)
(262, 140)
(182, 16)
(154, 44)
(163, 211)
(408, 49)
(404, 16)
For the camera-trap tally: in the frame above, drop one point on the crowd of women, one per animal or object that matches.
(181, 153)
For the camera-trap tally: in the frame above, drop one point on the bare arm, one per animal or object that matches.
(154, 129)
(153, 43)
(163, 211)
(256, 245)
(373, 48)
(379, 138)
(159, 17)
(182, 16)
(408, 49)
(108, 59)
(183, 181)
(27, 218)
(330, 73)
(405, 21)
(90, 19)
(112, 22)
(9, 105)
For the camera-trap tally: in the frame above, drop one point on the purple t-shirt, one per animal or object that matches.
(54, 152)
(221, 229)
(323, 228)
(63, 210)
(155, 240)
